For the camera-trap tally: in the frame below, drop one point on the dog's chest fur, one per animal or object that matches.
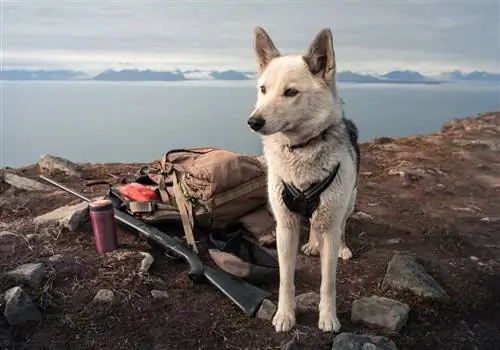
(304, 166)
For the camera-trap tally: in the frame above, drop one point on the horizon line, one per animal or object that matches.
(102, 70)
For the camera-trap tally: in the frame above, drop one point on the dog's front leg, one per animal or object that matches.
(329, 252)
(287, 240)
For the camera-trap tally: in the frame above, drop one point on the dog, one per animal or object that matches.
(312, 155)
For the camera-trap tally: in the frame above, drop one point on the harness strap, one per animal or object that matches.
(318, 188)
(306, 202)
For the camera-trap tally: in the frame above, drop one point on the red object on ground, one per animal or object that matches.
(137, 192)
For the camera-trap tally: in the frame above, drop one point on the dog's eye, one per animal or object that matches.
(290, 92)
(263, 89)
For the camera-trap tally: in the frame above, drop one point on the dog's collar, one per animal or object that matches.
(292, 147)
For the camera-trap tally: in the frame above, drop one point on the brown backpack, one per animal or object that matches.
(207, 188)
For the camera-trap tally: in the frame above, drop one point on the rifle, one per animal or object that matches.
(246, 296)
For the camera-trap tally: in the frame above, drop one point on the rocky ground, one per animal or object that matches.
(425, 272)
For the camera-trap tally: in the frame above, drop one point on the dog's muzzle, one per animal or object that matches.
(256, 123)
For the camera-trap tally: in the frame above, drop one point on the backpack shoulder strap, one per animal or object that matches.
(186, 212)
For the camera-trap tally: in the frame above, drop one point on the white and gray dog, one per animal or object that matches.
(312, 155)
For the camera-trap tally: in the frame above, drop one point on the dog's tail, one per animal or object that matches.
(352, 130)
(353, 133)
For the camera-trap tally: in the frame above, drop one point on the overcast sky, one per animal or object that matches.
(369, 36)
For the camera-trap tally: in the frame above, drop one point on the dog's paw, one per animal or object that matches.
(328, 322)
(345, 253)
(284, 321)
(310, 248)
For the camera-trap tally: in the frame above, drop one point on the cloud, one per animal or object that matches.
(369, 35)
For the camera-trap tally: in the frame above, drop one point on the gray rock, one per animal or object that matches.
(31, 274)
(307, 302)
(56, 258)
(51, 163)
(69, 216)
(159, 294)
(380, 311)
(104, 296)
(352, 341)
(26, 184)
(266, 311)
(405, 273)
(19, 308)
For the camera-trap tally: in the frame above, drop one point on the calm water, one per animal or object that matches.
(116, 121)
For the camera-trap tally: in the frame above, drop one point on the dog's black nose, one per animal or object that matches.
(256, 123)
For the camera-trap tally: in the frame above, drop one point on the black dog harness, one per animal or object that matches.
(305, 203)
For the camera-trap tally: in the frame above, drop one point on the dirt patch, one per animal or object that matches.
(426, 196)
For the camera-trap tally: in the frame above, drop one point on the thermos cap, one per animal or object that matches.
(101, 205)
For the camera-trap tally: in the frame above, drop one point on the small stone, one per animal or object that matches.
(380, 311)
(146, 263)
(56, 258)
(307, 302)
(361, 216)
(465, 210)
(31, 274)
(104, 296)
(266, 311)
(51, 163)
(70, 216)
(393, 241)
(26, 184)
(159, 294)
(473, 258)
(352, 341)
(490, 219)
(405, 273)
(19, 308)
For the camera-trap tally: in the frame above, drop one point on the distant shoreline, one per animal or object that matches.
(135, 75)
(187, 81)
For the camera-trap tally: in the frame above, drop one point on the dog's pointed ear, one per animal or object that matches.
(320, 56)
(265, 50)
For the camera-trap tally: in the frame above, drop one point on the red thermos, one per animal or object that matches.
(102, 217)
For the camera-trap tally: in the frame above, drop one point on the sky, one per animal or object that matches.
(370, 36)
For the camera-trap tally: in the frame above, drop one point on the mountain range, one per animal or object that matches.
(393, 77)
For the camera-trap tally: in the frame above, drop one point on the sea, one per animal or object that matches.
(102, 122)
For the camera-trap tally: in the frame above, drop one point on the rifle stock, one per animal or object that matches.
(246, 296)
